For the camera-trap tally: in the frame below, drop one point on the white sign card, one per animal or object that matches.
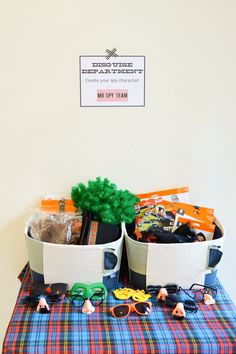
(117, 81)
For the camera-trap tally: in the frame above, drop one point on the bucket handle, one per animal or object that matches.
(109, 271)
(214, 256)
(116, 252)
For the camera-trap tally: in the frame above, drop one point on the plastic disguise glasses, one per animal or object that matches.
(196, 292)
(142, 308)
(126, 293)
(202, 291)
(80, 292)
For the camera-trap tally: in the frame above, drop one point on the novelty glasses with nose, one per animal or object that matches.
(142, 308)
(80, 292)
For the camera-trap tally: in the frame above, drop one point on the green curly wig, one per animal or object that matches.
(105, 201)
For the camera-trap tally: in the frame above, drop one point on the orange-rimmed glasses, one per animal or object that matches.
(142, 308)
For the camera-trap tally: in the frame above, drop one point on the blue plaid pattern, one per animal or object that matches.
(66, 330)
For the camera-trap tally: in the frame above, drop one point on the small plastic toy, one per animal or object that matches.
(88, 307)
(179, 311)
(123, 293)
(43, 306)
(203, 293)
(208, 299)
(162, 294)
(87, 296)
(41, 295)
(169, 295)
(126, 293)
(180, 307)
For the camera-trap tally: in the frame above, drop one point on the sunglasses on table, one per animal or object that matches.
(142, 308)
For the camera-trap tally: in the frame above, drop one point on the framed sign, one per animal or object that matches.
(117, 81)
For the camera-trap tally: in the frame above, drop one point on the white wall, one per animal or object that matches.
(184, 135)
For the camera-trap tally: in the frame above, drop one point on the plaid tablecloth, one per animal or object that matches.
(66, 330)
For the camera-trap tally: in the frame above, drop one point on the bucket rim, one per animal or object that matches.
(112, 244)
(216, 221)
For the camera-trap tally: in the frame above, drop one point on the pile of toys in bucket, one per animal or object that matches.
(174, 241)
(98, 206)
(87, 228)
(167, 217)
(96, 215)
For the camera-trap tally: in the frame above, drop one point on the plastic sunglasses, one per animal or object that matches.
(142, 308)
